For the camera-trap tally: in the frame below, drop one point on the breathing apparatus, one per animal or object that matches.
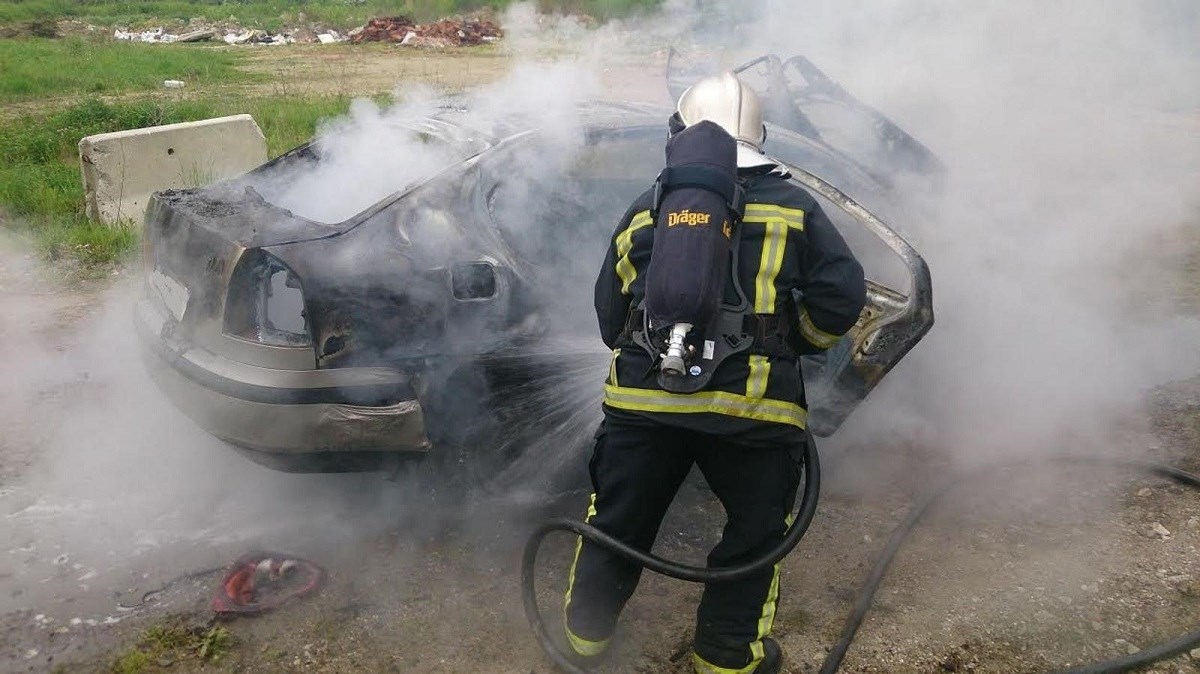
(694, 314)
(697, 206)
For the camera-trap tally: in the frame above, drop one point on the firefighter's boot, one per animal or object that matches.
(772, 662)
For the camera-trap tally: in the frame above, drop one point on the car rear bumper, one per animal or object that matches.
(282, 412)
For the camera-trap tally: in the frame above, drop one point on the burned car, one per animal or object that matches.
(423, 320)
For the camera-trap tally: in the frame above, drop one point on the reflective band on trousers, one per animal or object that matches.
(716, 402)
(582, 646)
(766, 623)
(702, 666)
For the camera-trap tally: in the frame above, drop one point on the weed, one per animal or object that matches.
(94, 246)
(167, 637)
(131, 662)
(174, 640)
(216, 642)
(75, 66)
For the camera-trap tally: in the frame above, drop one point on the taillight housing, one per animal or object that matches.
(266, 303)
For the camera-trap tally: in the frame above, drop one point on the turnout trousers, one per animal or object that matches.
(636, 469)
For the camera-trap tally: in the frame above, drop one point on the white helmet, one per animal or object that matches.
(732, 105)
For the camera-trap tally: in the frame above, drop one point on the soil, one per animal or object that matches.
(1085, 564)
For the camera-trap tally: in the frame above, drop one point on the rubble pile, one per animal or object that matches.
(464, 32)
(160, 35)
(451, 32)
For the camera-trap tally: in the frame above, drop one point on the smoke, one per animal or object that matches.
(1069, 130)
(1073, 157)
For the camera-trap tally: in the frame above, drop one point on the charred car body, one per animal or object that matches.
(348, 345)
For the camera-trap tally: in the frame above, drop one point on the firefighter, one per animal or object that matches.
(745, 429)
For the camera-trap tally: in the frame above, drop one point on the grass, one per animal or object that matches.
(275, 14)
(171, 642)
(40, 185)
(34, 68)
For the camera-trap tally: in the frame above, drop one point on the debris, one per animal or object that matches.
(1144, 491)
(197, 36)
(239, 38)
(326, 38)
(153, 35)
(173, 84)
(1194, 654)
(456, 32)
(1159, 530)
(263, 581)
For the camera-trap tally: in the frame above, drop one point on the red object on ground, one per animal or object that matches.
(262, 581)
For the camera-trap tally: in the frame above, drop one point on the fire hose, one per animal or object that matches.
(866, 597)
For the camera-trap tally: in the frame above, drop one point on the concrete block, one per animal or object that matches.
(121, 170)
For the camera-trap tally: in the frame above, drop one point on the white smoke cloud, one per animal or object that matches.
(1069, 132)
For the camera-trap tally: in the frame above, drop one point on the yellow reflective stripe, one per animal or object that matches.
(767, 620)
(775, 209)
(591, 512)
(625, 268)
(702, 666)
(765, 624)
(612, 368)
(770, 262)
(715, 402)
(582, 646)
(760, 370)
(793, 217)
(816, 336)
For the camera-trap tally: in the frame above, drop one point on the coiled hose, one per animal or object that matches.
(866, 596)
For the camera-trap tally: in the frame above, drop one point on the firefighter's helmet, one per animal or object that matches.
(731, 104)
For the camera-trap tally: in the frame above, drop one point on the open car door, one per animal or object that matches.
(799, 97)
(890, 325)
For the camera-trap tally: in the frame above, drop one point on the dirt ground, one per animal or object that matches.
(1082, 564)
(1088, 564)
(367, 69)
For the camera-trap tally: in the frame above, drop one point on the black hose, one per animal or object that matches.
(694, 574)
(866, 597)
(901, 533)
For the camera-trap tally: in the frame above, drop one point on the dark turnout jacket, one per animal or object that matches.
(786, 243)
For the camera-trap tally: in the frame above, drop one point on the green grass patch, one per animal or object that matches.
(35, 68)
(40, 185)
(172, 642)
(274, 14)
